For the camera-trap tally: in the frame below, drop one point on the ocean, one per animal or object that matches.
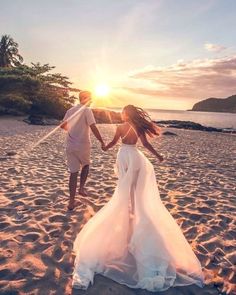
(209, 119)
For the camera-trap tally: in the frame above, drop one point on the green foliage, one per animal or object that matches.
(9, 54)
(18, 101)
(35, 89)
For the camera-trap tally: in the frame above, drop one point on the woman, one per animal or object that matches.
(133, 239)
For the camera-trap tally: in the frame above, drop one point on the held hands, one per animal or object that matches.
(103, 147)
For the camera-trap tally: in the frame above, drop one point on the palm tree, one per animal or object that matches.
(9, 53)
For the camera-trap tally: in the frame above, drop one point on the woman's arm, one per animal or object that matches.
(114, 140)
(148, 146)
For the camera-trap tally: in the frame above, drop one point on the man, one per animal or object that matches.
(77, 122)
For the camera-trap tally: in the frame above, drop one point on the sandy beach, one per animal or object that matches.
(196, 182)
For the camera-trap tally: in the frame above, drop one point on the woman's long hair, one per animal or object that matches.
(141, 121)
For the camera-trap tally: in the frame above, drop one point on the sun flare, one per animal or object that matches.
(102, 90)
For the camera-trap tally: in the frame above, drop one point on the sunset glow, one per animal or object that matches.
(102, 90)
(155, 54)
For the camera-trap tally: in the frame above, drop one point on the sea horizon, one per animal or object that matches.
(208, 119)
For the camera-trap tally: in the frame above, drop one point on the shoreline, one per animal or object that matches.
(175, 124)
(202, 111)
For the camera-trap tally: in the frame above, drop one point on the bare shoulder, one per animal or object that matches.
(121, 127)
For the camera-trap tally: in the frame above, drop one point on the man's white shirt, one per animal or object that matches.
(79, 126)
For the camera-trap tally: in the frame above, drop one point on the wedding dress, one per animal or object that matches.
(133, 239)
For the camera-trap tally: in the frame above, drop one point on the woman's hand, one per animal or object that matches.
(148, 146)
(114, 140)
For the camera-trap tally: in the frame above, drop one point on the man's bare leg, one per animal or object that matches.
(72, 188)
(83, 178)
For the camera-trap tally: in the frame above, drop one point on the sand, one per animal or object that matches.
(197, 184)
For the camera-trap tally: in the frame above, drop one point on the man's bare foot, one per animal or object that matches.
(71, 205)
(83, 192)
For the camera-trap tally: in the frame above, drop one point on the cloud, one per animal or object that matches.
(135, 19)
(199, 78)
(214, 47)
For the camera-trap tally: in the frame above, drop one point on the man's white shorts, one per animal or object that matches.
(77, 156)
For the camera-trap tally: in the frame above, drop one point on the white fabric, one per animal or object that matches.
(78, 127)
(133, 239)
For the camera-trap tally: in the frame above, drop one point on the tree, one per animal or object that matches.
(9, 53)
(35, 90)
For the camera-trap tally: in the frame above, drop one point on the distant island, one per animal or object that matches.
(225, 105)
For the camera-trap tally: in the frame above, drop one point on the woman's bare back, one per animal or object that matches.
(128, 133)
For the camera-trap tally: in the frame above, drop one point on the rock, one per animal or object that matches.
(40, 120)
(35, 120)
(169, 133)
(11, 153)
(187, 125)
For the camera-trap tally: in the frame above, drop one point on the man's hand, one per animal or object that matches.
(64, 125)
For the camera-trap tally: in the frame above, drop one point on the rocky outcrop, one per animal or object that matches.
(41, 120)
(191, 126)
(107, 116)
(186, 125)
(227, 105)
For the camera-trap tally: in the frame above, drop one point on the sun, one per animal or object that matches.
(102, 90)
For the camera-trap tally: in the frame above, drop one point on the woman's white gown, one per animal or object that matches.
(133, 239)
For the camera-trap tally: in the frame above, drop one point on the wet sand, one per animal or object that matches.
(197, 184)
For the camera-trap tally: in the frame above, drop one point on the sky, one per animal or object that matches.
(163, 54)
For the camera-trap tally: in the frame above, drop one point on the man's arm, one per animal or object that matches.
(64, 124)
(97, 133)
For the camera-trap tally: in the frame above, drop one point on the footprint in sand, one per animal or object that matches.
(3, 159)
(13, 170)
(210, 202)
(54, 233)
(4, 225)
(5, 273)
(17, 203)
(5, 254)
(23, 273)
(41, 201)
(205, 210)
(195, 217)
(58, 253)
(57, 218)
(191, 232)
(30, 237)
(11, 153)
(67, 243)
